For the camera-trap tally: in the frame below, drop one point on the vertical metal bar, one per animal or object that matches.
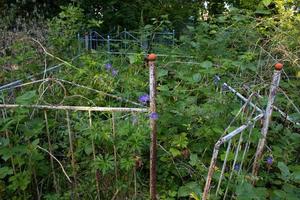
(90, 40)
(71, 149)
(267, 120)
(79, 43)
(223, 167)
(50, 150)
(108, 43)
(86, 40)
(94, 157)
(234, 163)
(113, 122)
(211, 170)
(153, 127)
(173, 37)
(125, 35)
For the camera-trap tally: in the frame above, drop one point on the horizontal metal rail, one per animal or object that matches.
(76, 108)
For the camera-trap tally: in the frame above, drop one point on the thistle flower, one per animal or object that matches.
(154, 116)
(269, 160)
(225, 88)
(144, 99)
(114, 72)
(108, 66)
(237, 167)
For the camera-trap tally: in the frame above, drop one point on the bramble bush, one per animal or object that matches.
(193, 113)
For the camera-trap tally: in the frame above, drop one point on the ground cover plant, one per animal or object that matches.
(106, 155)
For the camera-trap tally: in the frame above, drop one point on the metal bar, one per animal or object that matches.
(94, 158)
(18, 82)
(50, 152)
(242, 97)
(71, 138)
(267, 120)
(76, 108)
(223, 167)
(86, 41)
(221, 141)
(283, 114)
(153, 127)
(233, 164)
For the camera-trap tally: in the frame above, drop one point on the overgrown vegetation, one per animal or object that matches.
(109, 157)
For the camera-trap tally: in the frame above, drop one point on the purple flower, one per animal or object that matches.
(108, 66)
(114, 72)
(144, 99)
(269, 160)
(237, 167)
(225, 88)
(154, 116)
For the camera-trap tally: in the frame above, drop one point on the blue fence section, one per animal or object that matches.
(125, 41)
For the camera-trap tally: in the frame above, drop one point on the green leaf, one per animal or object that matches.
(188, 189)
(162, 72)
(196, 77)
(267, 2)
(206, 64)
(26, 98)
(175, 152)
(284, 170)
(5, 171)
(193, 159)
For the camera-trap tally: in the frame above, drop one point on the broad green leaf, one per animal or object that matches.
(284, 170)
(196, 77)
(206, 64)
(26, 98)
(193, 159)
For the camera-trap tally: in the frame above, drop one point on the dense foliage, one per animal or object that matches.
(110, 152)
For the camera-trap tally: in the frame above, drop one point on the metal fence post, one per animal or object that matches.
(125, 35)
(108, 43)
(267, 118)
(79, 43)
(90, 40)
(173, 37)
(86, 40)
(153, 127)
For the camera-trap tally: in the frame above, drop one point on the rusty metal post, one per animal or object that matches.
(153, 127)
(267, 118)
(211, 170)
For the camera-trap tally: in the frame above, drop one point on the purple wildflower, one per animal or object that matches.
(237, 167)
(108, 66)
(154, 116)
(144, 99)
(225, 88)
(269, 160)
(114, 72)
